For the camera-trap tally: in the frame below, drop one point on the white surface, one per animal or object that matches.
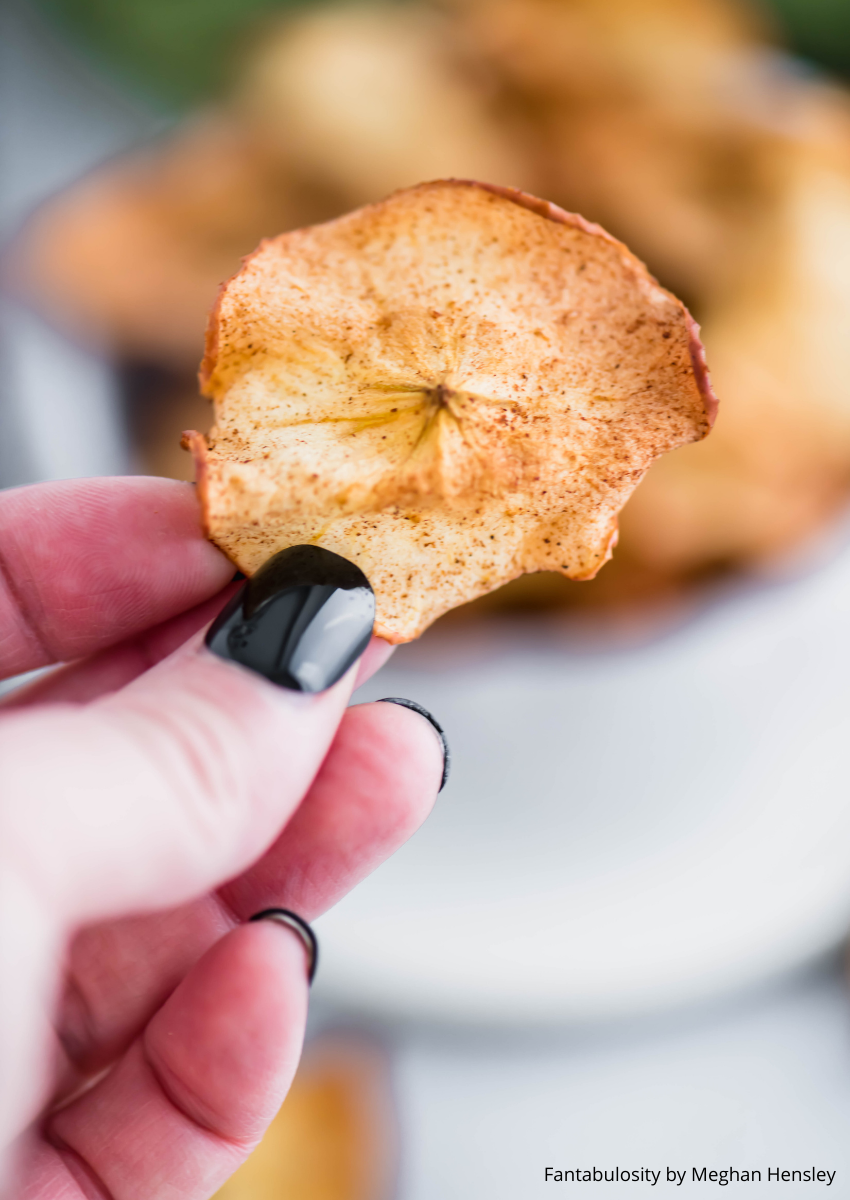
(765, 1083)
(59, 412)
(623, 830)
(62, 401)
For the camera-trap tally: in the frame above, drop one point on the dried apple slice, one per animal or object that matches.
(450, 388)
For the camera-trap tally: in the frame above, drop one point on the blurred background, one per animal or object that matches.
(619, 939)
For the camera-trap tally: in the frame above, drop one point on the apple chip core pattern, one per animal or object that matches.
(450, 388)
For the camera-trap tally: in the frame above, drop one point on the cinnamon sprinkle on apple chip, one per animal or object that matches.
(450, 388)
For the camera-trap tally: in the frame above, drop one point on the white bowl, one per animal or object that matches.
(625, 827)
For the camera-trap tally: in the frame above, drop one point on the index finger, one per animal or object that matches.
(86, 563)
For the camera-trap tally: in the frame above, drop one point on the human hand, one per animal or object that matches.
(154, 798)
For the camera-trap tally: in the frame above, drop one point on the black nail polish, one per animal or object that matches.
(423, 712)
(301, 621)
(285, 916)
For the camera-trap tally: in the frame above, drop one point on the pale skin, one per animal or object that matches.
(153, 798)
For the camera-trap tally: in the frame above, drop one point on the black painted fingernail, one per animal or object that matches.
(301, 621)
(423, 712)
(285, 916)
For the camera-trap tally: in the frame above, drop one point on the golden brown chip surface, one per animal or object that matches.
(450, 388)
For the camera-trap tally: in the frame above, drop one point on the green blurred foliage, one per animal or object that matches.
(178, 51)
(817, 29)
(181, 51)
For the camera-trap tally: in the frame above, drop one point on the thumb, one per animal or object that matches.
(163, 790)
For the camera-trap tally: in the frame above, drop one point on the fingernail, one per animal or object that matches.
(285, 916)
(423, 712)
(301, 621)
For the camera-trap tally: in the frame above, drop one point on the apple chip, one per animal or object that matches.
(450, 388)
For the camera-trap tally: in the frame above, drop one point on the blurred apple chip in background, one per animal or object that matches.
(677, 124)
(334, 1138)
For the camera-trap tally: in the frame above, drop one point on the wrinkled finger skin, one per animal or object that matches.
(143, 776)
(193, 1094)
(376, 784)
(141, 800)
(374, 789)
(87, 563)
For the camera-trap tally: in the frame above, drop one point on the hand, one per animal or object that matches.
(154, 797)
